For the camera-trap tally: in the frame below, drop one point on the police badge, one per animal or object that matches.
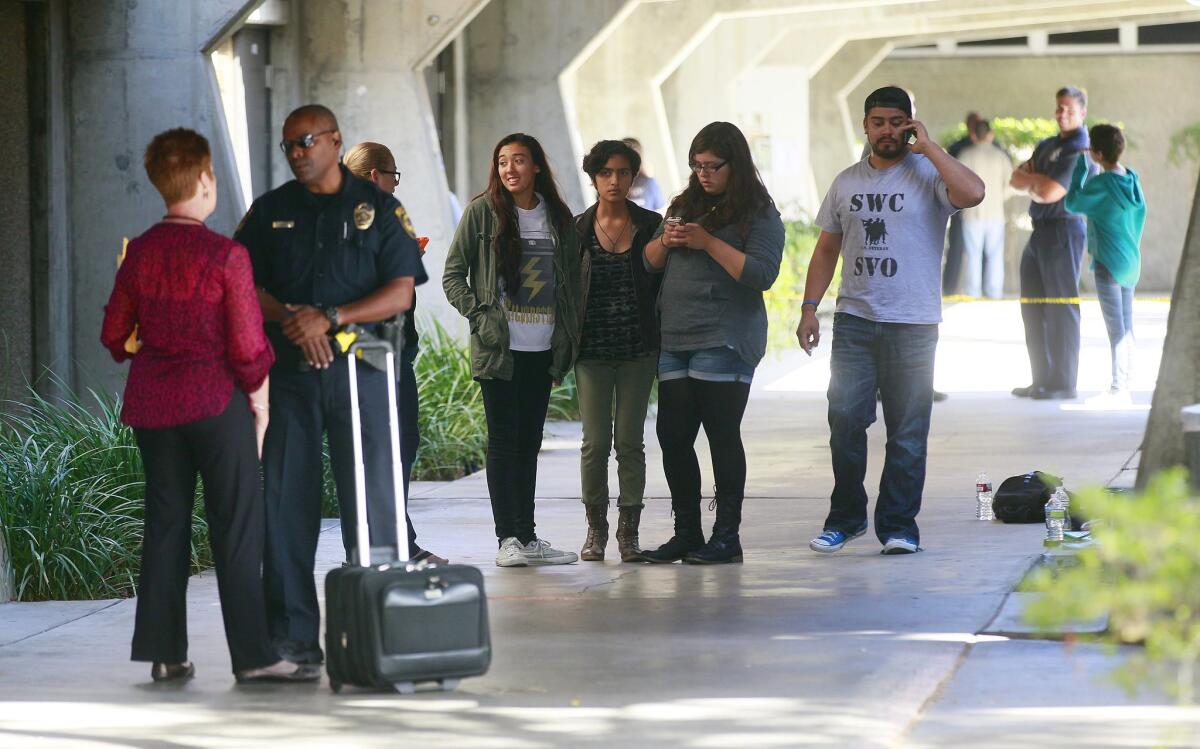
(364, 215)
(405, 221)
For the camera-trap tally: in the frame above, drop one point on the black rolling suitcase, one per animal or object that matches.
(394, 625)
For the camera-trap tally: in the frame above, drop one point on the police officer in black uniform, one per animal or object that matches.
(328, 249)
(1052, 260)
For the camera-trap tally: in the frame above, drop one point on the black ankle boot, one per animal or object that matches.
(724, 546)
(689, 536)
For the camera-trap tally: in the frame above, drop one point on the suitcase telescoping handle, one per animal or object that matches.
(357, 350)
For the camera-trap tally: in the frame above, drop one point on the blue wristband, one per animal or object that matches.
(809, 301)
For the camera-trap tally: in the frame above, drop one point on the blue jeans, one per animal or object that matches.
(895, 359)
(718, 364)
(983, 258)
(1116, 304)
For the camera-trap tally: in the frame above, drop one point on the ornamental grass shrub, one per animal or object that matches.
(72, 490)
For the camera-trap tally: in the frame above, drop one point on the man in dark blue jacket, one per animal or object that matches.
(1051, 261)
(329, 249)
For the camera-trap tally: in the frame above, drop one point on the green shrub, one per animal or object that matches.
(1020, 135)
(1185, 145)
(1143, 573)
(72, 492)
(786, 294)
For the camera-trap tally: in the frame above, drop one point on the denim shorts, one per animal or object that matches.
(720, 364)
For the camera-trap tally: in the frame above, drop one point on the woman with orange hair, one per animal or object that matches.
(196, 398)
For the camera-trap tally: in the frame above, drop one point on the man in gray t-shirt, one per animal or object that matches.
(886, 216)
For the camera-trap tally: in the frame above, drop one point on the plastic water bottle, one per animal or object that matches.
(1064, 501)
(983, 498)
(1054, 521)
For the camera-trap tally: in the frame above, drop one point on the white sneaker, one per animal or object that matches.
(511, 553)
(899, 545)
(1111, 398)
(539, 552)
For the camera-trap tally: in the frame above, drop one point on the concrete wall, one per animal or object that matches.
(16, 304)
(1152, 94)
(362, 59)
(516, 51)
(136, 69)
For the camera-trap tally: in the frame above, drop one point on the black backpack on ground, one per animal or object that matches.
(1022, 499)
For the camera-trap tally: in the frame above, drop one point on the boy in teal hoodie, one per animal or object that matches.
(1116, 212)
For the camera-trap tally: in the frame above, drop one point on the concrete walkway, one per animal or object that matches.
(790, 649)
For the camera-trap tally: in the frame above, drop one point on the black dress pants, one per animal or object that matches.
(516, 415)
(304, 407)
(1050, 301)
(410, 433)
(222, 450)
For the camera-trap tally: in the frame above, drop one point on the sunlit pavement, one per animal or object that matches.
(790, 649)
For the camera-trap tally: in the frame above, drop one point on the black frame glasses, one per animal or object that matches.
(306, 141)
(395, 174)
(707, 168)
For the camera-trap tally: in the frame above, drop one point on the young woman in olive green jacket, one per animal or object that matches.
(513, 272)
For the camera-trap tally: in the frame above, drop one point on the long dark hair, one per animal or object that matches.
(745, 194)
(507, 244)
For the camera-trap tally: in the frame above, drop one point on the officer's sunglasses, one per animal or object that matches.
(306, 141)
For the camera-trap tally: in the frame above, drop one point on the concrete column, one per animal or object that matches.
(831, 124)
(15, 240)
(136, 69)
(746, 75)
(516, 51)
(364, 60)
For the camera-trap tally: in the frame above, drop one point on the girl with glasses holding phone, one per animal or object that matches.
(719, 250)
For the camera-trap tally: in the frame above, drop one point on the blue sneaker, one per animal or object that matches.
(830, 540)
(900, 546)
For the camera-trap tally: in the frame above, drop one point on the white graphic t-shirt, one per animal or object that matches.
(530, 310)
(893, 227)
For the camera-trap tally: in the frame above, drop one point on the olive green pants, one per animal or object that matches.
(614, 393)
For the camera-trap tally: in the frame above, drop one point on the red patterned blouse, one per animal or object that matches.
(190, 292)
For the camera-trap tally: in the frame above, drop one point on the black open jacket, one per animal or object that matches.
(645, 284)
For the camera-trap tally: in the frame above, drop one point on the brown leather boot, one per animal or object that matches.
(627, 534)
(597, 535)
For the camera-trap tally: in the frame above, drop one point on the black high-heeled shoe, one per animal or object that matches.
(172, 671)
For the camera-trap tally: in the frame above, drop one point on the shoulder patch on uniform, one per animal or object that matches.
(364, 215)
(405, 221)
(242, 223)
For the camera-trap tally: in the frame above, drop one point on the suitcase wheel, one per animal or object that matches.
(405, 687)
(335, 685)
(449, 685)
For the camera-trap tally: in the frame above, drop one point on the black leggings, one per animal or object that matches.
(516, 415)
(683, 406)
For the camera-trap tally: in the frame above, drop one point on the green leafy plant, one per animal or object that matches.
(1143, 573)
(1185, 145)
(1020, 135)
(787, 293)
(72, 491)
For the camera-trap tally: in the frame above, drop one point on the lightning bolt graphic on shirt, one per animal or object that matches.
(531, 275)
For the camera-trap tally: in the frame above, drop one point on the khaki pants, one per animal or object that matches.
(614, 393)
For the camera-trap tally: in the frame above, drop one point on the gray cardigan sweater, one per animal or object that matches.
(701, 306)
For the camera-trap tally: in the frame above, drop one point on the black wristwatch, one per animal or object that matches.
(331, 314)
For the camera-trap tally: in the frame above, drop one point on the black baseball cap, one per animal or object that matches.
(891, 97)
